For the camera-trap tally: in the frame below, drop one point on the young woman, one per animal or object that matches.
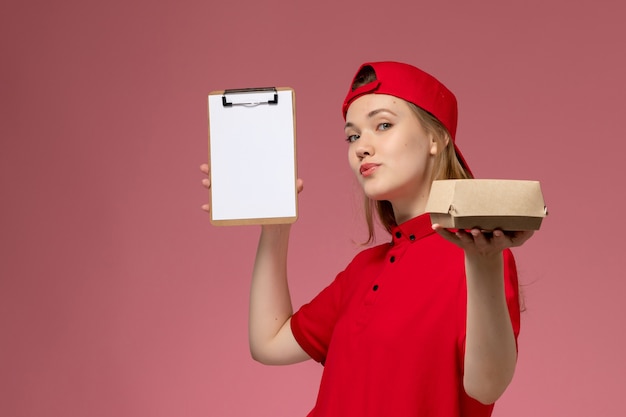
(424, 325)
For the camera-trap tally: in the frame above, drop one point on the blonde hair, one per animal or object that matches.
(446, 164)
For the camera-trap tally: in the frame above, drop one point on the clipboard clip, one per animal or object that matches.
(247, 91)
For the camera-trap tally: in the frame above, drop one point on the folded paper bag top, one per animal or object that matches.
(486, 204)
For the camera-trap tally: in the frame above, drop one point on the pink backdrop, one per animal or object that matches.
(117, 298)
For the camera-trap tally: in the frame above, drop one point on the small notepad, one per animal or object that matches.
(252, 156)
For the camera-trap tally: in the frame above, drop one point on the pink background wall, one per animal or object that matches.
(117, 298)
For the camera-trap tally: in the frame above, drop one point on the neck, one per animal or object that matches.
(411, 205)
(404, 211)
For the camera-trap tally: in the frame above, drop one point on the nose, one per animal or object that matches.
(364, 147)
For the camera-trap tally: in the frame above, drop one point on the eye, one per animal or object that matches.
(384, 126)
(352, 138)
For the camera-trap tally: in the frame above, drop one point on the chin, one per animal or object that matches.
(376, 195)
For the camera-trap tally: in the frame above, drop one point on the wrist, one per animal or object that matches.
(484, 267)
(275, 228)
(275, 232)
(493, 258)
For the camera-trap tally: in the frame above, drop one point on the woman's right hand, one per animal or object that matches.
(206, 182)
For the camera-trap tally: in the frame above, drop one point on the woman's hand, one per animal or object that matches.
(206, 182)
(478, 242)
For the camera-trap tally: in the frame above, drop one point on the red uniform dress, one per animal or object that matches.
(390, 330)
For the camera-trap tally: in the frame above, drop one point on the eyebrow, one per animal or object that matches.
(372, 114)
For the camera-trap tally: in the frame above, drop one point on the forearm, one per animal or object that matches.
(270, 302)
(490, 348)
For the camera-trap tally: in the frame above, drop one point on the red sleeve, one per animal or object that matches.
(511, 290)
(312, 325)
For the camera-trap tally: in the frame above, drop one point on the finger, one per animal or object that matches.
(466, 237)
(507, 239)
(299, 185)
(206, 208)
(204, 168)
(479, 236)
(500, 239)
(206, 182)
(446, 234)
(520, 237)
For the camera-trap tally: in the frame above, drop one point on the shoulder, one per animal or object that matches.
(367, 261)
(371, 254)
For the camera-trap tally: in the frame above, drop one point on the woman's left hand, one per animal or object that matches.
(479, 242)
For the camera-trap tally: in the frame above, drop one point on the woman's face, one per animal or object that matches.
(390, 153)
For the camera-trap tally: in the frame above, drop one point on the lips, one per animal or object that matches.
(368, 169)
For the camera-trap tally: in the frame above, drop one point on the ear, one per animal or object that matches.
(437, 146)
